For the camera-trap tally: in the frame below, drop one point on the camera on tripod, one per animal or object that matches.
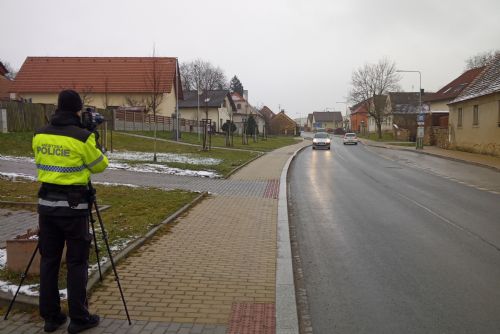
(91, 119)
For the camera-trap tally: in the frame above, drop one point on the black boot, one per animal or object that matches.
(53, 323)
(79, 326)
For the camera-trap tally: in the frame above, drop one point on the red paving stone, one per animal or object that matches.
(272, 189)
(250, 318)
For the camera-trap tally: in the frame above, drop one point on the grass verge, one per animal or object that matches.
(133, 212)
(218, 140)
(19, 144)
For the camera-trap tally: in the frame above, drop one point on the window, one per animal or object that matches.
(238, 106)
(460, 116)
(475, 115)
(225, 104)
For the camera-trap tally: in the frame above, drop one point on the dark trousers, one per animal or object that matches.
(54, 232)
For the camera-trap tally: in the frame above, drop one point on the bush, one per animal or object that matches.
(226, 125)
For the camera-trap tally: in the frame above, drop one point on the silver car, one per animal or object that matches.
(321, 140)
(350, 138)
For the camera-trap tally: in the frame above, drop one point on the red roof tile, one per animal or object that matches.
(454, 88)
(488, 82)
(94, 74)
(5, 85)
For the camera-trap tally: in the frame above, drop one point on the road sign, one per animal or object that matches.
(420, 132)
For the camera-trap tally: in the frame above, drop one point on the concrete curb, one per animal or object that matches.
(286, 304)
(30, 301)
(434, 155)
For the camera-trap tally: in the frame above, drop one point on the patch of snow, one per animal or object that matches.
(3, 257)
(17, 159)
(116, 184)
(163, 157)
(29, 290)
(117, 162)
(120, 244)
(15, 176)
(94, 267)
(161, 169)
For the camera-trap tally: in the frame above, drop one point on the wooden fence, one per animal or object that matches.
(139, 121)
(23, 116)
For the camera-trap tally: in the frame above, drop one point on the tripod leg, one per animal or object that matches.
(23, 276)
(105, 237)
(92, 222)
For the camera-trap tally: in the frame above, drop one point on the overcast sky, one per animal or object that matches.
(299, 54)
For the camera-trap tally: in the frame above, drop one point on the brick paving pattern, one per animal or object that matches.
(223, 251)
(213, 269)
(249, 318)
(15, 222)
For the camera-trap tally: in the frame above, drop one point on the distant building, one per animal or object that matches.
(217, 104)
(281, 124)
(243, 110)
(328, 120)
(474, 122)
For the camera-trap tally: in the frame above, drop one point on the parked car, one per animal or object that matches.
(350, 138)
(321, 140)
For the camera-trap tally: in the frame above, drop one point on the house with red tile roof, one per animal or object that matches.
(438, 102)
(359, 117)
(101, 81)
(474, 120)
(282, 124)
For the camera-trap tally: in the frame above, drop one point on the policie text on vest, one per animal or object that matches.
(49, 149)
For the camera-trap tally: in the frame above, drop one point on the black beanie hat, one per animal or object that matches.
(69, 100)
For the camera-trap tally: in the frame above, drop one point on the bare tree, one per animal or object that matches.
(369, 83)
(105, 98)
(11, 72)
(202, 75)
(131, 101)
(155, 96)
(480, 59)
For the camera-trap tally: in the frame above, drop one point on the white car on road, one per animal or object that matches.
(350, 138)
(321, 140)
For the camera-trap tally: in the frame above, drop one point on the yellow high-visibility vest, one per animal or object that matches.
(67, 155)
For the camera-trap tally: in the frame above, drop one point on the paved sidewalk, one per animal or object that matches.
(473, 158)
(14, 223)
(214, 271)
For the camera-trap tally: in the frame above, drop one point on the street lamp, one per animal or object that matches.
(420, 117)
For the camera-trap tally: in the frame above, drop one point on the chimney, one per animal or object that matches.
(245, 94)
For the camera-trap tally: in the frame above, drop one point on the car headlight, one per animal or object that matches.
(328, 141)
(315, 141)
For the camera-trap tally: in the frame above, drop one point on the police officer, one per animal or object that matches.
(65, 156)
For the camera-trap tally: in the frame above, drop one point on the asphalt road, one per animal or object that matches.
(392, 245)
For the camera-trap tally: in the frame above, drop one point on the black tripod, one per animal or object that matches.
(92, 203)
